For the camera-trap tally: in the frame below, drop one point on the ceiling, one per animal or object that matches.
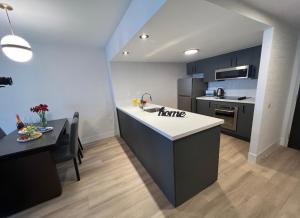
(178, 26)
(285, 10)
(86, 22)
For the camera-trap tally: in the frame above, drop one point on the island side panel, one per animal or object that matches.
(153, 150)
(196, 160)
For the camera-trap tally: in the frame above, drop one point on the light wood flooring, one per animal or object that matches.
(114, 184)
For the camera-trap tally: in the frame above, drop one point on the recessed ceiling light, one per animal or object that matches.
(125, 52)
(191, 51)
(144, 36)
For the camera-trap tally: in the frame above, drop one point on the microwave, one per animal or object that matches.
(240, 72)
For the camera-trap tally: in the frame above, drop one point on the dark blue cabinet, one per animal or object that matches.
(207, 66)
(244, 118)
(191, 68)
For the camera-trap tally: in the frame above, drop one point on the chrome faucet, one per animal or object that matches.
(142, 99)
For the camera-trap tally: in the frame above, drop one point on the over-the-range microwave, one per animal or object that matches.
(240, 72)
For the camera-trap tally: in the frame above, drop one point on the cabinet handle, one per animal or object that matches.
(243, 108)
(236, 61)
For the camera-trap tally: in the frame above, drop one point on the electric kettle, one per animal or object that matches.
(220, 93)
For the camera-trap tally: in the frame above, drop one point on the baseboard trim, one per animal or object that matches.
(254, 158)
(98, 137)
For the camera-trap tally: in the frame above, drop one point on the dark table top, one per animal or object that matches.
(9, 145)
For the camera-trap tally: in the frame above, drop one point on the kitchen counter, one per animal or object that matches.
(172, 128)
(180, 154)
(245, 101)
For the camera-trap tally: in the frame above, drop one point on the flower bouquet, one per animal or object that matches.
(41, 111)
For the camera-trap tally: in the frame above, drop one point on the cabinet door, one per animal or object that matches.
(245, 118)
(190, 68)
(256, 53)
(250, 56)
(244, 57)
(224, 61)
(207, 67)
(204, 107)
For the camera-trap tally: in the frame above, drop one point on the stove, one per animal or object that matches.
(233, 97)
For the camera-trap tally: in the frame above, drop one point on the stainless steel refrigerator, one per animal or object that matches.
(188, 89)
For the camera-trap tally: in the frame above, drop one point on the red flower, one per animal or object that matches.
(39, 108)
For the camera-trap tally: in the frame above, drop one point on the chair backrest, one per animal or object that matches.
(74, 136)
(2, 133)
(76, 114)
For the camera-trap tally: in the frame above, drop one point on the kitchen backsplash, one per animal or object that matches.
(241, 87)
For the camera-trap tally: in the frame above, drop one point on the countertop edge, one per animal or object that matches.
(168, 136)
(245, 101)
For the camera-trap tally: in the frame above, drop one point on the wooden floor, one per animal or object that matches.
(114, 184)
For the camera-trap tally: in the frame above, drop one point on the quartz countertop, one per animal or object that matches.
(173, 128)
(245, 101)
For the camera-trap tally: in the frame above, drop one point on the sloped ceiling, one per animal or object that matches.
(82, 22)
(181, 25)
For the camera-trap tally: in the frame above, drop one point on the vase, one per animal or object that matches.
(43, 120)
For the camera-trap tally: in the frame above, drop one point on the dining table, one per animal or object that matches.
(28, 170)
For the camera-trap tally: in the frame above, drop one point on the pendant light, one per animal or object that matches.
(14, 47)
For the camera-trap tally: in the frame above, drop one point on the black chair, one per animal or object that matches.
(2, 133)
(69, 151)
(76, 114)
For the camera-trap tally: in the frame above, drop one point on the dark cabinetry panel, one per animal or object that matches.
(249, 56)
(244, 119)
(181, 168)
(205, 107)
(191, 68)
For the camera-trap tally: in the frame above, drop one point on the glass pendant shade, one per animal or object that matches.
(16, 48)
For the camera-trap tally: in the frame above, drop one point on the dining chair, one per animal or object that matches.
(76, 114)
(69, 151)
(2, 133)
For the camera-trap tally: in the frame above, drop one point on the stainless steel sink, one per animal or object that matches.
(152, 110)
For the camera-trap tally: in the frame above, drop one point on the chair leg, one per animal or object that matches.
(80, 145)
(79, 158)
(76, 169)
(80, 153)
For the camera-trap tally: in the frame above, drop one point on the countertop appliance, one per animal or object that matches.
(210, 93)
(220, 93)
(229, 114)
(240, 72)
(188, 89)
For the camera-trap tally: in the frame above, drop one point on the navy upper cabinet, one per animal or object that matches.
(249, 56)
(191, 68)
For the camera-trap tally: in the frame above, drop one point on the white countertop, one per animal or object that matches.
(172, 127)
(245, 101)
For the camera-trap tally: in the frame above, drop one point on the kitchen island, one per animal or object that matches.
(181, 154)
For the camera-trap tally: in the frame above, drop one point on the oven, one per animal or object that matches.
(229, 114)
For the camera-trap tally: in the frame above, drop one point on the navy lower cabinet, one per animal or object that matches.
(181, 168)
(245, 119)
(205, 107)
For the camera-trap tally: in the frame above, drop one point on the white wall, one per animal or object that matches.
(273, 88)
(292, 98)
(130, 80)
(68, 79)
